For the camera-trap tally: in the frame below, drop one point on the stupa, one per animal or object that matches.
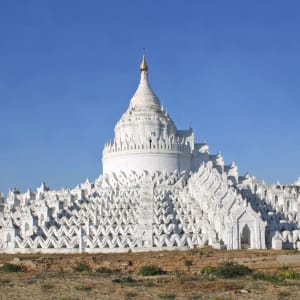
(146, 137)
(159, 190)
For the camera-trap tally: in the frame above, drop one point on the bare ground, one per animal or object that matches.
(116, 276)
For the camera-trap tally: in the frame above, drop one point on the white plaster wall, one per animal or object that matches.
(151, 161)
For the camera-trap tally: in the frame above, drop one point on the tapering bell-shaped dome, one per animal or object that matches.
(146, 137)
(144, 97)
(144, 116)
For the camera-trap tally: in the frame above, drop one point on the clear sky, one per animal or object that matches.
(68, 69)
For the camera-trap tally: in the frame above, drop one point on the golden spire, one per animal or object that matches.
(144, 66)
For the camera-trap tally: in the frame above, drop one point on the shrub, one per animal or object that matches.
(290, 274)
(259, 276)
(273, 278)
(278, 277)
(151, 271)
(7, 267)
(232, 270)
(228, 269)
(82, 268)
(207, 270)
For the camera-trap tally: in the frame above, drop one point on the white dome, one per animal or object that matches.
(144, 119)
(144, 97)
(146, 137)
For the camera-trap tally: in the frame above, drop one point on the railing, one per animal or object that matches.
(153, 147)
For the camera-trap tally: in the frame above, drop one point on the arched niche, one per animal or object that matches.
(246, 237)
(42, 219)
(8, 238)
(288, 206)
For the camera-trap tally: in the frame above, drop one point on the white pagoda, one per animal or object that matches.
(159, 190)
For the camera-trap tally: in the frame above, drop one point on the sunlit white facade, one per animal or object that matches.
(159, 190)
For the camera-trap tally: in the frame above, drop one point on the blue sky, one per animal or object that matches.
(69, 68)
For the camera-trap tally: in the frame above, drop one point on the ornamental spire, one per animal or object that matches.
(144, 66)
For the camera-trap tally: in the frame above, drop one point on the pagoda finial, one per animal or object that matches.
(144, 66)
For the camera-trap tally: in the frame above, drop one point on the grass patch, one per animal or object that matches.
(194, 251)
(278, 278)
(81, 267)
(273, 278)
(227, 269)
(124, 280)
(83, 287)
(4, 281)
(10, 268)
(202, 252)
(47, 286)
(288, 274)
(151, 271)
(195, 297)
(149, 283)
(166, 296)
(129, 281)
(130, 294)
(106, 271)
(283, 294)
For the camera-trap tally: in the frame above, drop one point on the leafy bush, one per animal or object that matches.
(260, 276)
(151, 271)
(9, 268)
(82, 268)
(278, 277)
(207, 270)
(290, 274)
(227, 269)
